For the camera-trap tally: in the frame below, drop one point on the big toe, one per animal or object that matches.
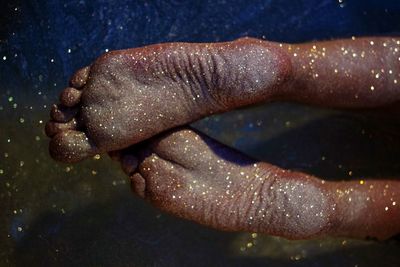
(71, 146)
(70, 97)
(78, 80)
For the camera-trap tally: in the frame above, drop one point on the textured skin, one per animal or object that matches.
(194, 177)
(128, 96)
(353, 73)
(158, 87)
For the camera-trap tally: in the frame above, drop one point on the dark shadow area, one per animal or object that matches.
(122, 232)
(126, 232)
(341, 146)
(344, 145)
(225, 152)
(330, 144)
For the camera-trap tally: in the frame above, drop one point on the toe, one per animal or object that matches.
(138, 184)
(52, 128)
(60, 113)
(71, 146)
(129, 163)
(70, 97)
(78, 80)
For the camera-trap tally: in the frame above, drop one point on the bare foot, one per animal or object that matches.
(194, 177)
(128, 96)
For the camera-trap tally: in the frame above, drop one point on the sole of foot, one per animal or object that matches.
(127, 96)
(192, 176)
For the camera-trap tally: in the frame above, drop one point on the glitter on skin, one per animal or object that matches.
(134, 94)
(187, 174)
(128, 96)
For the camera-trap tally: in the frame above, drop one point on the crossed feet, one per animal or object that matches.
(128, 96)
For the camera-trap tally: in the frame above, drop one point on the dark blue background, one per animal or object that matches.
(86, 216)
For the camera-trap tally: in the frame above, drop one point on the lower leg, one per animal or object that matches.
(348, 73)
(367, 207)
